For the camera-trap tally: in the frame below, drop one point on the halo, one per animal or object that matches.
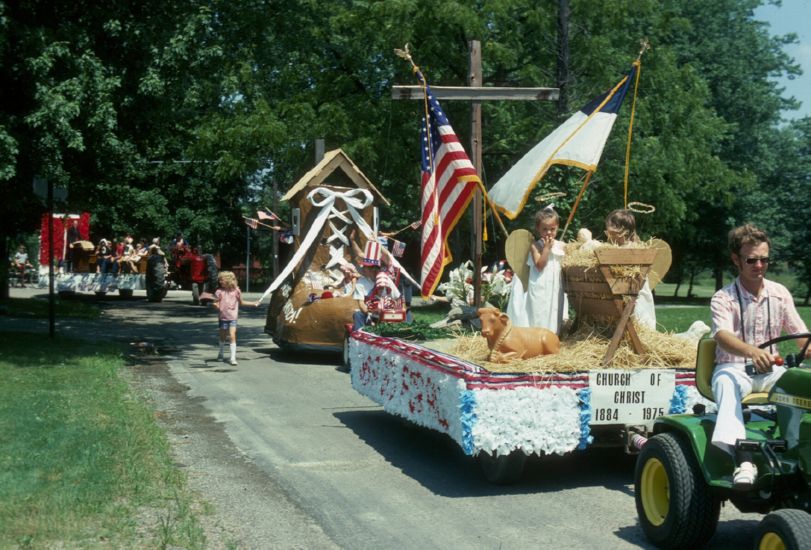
(641, 208)
(546, 197)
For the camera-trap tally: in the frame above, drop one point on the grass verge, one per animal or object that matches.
(82, 461)
(37, 307)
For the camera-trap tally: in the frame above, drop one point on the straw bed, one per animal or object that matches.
(584, 350)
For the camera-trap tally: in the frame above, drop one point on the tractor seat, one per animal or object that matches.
(705, 364)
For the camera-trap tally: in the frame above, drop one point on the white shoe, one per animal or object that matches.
(744, 476)
(220, 358)
(234, 362)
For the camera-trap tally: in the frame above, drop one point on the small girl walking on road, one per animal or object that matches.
(227, 300)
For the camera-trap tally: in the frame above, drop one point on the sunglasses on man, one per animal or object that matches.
(752, 261)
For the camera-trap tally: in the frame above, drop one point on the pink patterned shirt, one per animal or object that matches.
(764, 317)
(229, 303)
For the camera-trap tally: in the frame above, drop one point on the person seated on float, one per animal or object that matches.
(117, 257)
(351, 275)
(130, 257)
(373, 284)
(747, 312)
(104, 255)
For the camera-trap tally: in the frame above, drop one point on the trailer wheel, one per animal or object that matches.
(784, 529)
(125, 293)
(675, 506)
(503, 469)
(345, 358)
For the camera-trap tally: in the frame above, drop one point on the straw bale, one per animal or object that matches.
(584, 350)
(584, 256)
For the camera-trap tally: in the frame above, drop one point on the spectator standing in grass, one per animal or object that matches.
(227, 300)
(20, 263)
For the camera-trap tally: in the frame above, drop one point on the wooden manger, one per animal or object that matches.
(606, 293)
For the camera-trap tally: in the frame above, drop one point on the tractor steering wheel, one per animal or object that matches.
(792, 359)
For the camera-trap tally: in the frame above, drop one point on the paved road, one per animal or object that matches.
(292, 457)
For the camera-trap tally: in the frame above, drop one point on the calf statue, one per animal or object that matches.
(508, 343)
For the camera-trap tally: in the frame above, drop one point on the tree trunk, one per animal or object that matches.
(692, 281)
(4, 292)
(563, 55)
(719, 278)
(807, 295)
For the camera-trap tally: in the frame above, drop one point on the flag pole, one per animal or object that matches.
(248, 260)
(645, 46)
(576, 203)
(475, 79)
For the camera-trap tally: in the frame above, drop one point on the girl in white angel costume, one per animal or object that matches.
(543, 303)
(620, 228)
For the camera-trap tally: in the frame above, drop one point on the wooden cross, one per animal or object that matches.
(476, 93)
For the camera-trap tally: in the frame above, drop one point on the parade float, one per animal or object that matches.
(81, 275)
(609, 380)
(606, 386)
(336, 213)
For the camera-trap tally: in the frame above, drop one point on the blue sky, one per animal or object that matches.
(793, 16)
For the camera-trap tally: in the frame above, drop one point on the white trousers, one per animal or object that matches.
(730, 384)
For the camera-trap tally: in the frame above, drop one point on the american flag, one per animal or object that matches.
(252, 223)
(449, 182)
(265, 216)
(397, 248)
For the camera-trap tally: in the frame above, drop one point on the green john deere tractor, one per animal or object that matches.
(681, 479)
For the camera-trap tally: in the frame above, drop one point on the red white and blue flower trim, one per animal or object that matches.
(483, 411)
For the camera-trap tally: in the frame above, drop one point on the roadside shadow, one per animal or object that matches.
(729, 535)
(435, 461)
(298, 357)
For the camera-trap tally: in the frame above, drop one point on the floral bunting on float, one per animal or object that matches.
(483, 411)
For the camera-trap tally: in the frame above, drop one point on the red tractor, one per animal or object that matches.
(193, 271)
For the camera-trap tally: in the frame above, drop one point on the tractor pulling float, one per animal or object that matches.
(681, 479)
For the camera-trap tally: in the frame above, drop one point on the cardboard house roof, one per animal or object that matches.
(332, 161)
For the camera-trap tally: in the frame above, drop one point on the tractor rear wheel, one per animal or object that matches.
(155, 278)
(675, 506)
(784, 530)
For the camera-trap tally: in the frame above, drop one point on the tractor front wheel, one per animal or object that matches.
(675, 506)
(784, 530)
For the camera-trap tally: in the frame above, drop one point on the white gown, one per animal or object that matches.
(543, 304)
(645, 309)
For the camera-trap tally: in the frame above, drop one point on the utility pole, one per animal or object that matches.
(562, 65)
(476, 93)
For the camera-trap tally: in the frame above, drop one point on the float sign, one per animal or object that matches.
(630, 397)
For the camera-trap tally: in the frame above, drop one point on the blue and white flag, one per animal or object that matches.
(577, 142)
